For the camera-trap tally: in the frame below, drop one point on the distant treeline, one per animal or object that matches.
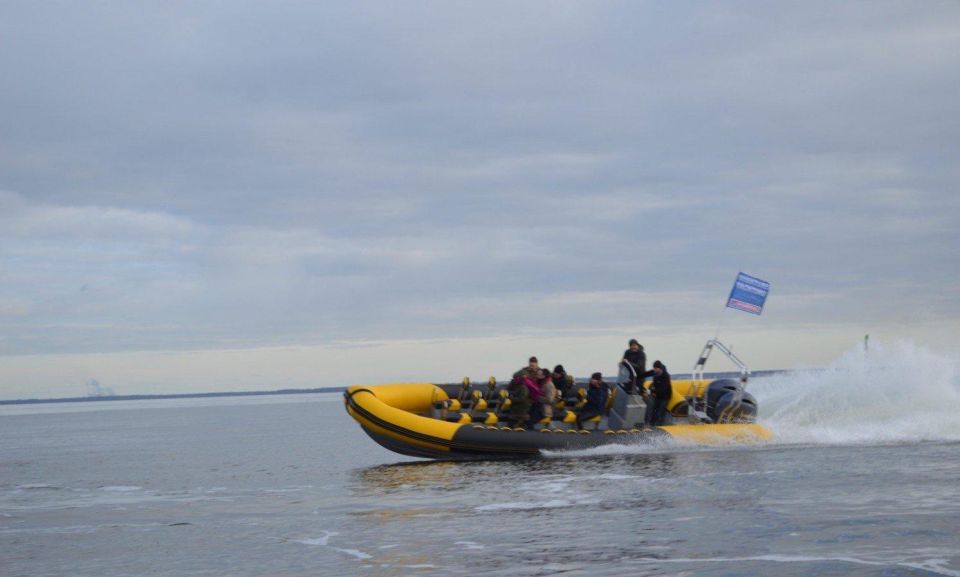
(726, 375)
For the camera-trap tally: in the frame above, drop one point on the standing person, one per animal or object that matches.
(519, 396)
(536, 398)
(532, 369)
(548, 394)
(661, 390)
(597, 395)
(637, 359)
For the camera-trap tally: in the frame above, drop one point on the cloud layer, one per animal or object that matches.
(224, 176)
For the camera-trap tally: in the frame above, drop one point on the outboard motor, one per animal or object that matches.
(731, 410)
(748, 409)
(717, 390)
(727, 402)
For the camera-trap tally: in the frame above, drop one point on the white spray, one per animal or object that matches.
(896, 392)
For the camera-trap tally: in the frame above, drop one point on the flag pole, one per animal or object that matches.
(723, 313)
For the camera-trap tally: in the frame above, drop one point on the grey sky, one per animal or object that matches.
(184, 176)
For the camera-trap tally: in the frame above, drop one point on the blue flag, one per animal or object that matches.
(748, 294)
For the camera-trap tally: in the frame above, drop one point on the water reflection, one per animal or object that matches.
(438, 484)
(653, 487)
(399, 475)
(576, 514)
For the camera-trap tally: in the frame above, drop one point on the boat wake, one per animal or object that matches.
(899, 392)
(896, 392)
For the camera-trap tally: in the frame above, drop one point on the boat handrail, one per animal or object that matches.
(699, 412)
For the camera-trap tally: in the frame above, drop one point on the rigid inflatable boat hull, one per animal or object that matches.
(388, 414)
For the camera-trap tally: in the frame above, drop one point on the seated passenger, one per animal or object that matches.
(596, 400)
(563, 382)
(519, 396)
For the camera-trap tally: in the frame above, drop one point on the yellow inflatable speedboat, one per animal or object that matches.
(457, 422)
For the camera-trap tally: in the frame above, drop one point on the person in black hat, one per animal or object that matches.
(637, 359)
(563, 382)
(597, 395)
(661, 390)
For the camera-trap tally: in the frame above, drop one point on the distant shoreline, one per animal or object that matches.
(173, 396)
(718, 375)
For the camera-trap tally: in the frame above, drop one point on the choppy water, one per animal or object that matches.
(863, 481)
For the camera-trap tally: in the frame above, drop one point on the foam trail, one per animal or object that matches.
(898, 392)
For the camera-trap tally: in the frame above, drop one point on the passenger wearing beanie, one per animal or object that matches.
(662, 390)
(596, 399)
(637, 359)
(563, 382)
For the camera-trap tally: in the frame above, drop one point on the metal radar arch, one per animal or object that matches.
(697, 395)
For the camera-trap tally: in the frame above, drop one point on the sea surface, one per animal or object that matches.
(864, 479)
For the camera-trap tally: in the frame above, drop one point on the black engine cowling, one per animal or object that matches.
(736, 408)
(727, 402)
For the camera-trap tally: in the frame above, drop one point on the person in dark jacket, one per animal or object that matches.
(519, 401)
(637, 359)
(597, 395)
(563, 382)
(661, 390)
(532, 370)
